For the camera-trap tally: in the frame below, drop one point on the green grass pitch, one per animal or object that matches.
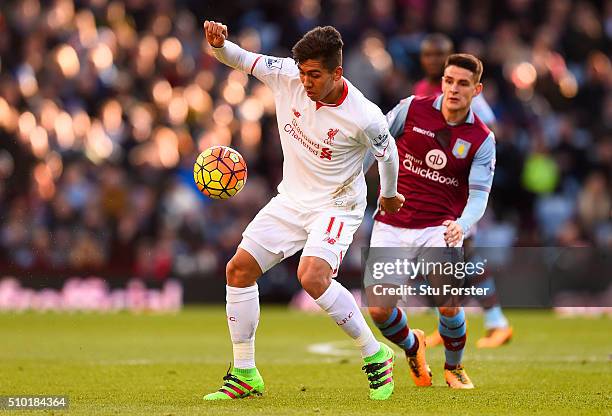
(162, 365)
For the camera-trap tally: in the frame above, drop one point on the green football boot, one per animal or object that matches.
(238, 384)
(379, 369)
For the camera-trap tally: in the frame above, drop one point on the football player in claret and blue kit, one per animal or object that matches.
(435, 48)
(447, 161)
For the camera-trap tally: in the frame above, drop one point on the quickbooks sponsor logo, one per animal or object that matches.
(415, 166)
(435, 159)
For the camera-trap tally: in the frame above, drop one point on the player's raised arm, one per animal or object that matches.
(382, 145)
(267, 69)
(225, 51)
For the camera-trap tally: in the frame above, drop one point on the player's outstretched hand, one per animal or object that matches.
(392, 204)
(453, 233)
(216, 33)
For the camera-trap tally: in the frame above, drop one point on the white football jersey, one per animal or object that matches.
(323, 145)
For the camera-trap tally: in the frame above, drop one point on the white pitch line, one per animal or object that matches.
(196, 361)
(333, 349)
(347, 349)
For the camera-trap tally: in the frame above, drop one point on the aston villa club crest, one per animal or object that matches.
(331, 133)
(461, 148)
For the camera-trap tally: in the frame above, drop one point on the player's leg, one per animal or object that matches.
(452, 328)
(329, 236)
(433, 237)
(393, 324)
(391, 320)
(261, 248)
(388, 318)
(498, 330)
(451, 315)
(434, 339)
(242, 308)
(315, 275)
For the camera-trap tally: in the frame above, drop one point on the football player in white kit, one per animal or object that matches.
(326, 127)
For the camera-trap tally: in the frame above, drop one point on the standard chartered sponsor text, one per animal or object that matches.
(294, 131)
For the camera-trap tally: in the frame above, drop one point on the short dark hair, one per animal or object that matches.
(321, 43)
(466, 61)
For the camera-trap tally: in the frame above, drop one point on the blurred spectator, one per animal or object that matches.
(594, 203)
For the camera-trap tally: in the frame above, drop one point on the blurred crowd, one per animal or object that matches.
(104, 105)
(91, 294)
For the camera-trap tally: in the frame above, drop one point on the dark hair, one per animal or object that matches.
(466, 61)
(321, 43)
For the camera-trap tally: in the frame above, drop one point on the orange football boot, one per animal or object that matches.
(434, 339)
(419, 370)
(495, 337)
(458, 378)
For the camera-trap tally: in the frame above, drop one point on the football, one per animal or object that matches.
(220, 172)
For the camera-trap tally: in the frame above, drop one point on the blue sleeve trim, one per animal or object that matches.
(480, 188)
(396, 118)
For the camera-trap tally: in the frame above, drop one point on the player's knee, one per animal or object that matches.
(448, 311)
(315, 285)
(314, 279)
(380, 314)
(238, 274)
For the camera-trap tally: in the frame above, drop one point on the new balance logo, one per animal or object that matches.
(326, 153)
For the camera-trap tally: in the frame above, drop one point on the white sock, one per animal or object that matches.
(338, 302)
(242, 318)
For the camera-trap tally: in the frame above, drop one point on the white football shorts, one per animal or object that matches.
(416, 244)
(385, 235)
(283, 228)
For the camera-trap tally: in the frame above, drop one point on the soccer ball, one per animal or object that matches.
(220, 172)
